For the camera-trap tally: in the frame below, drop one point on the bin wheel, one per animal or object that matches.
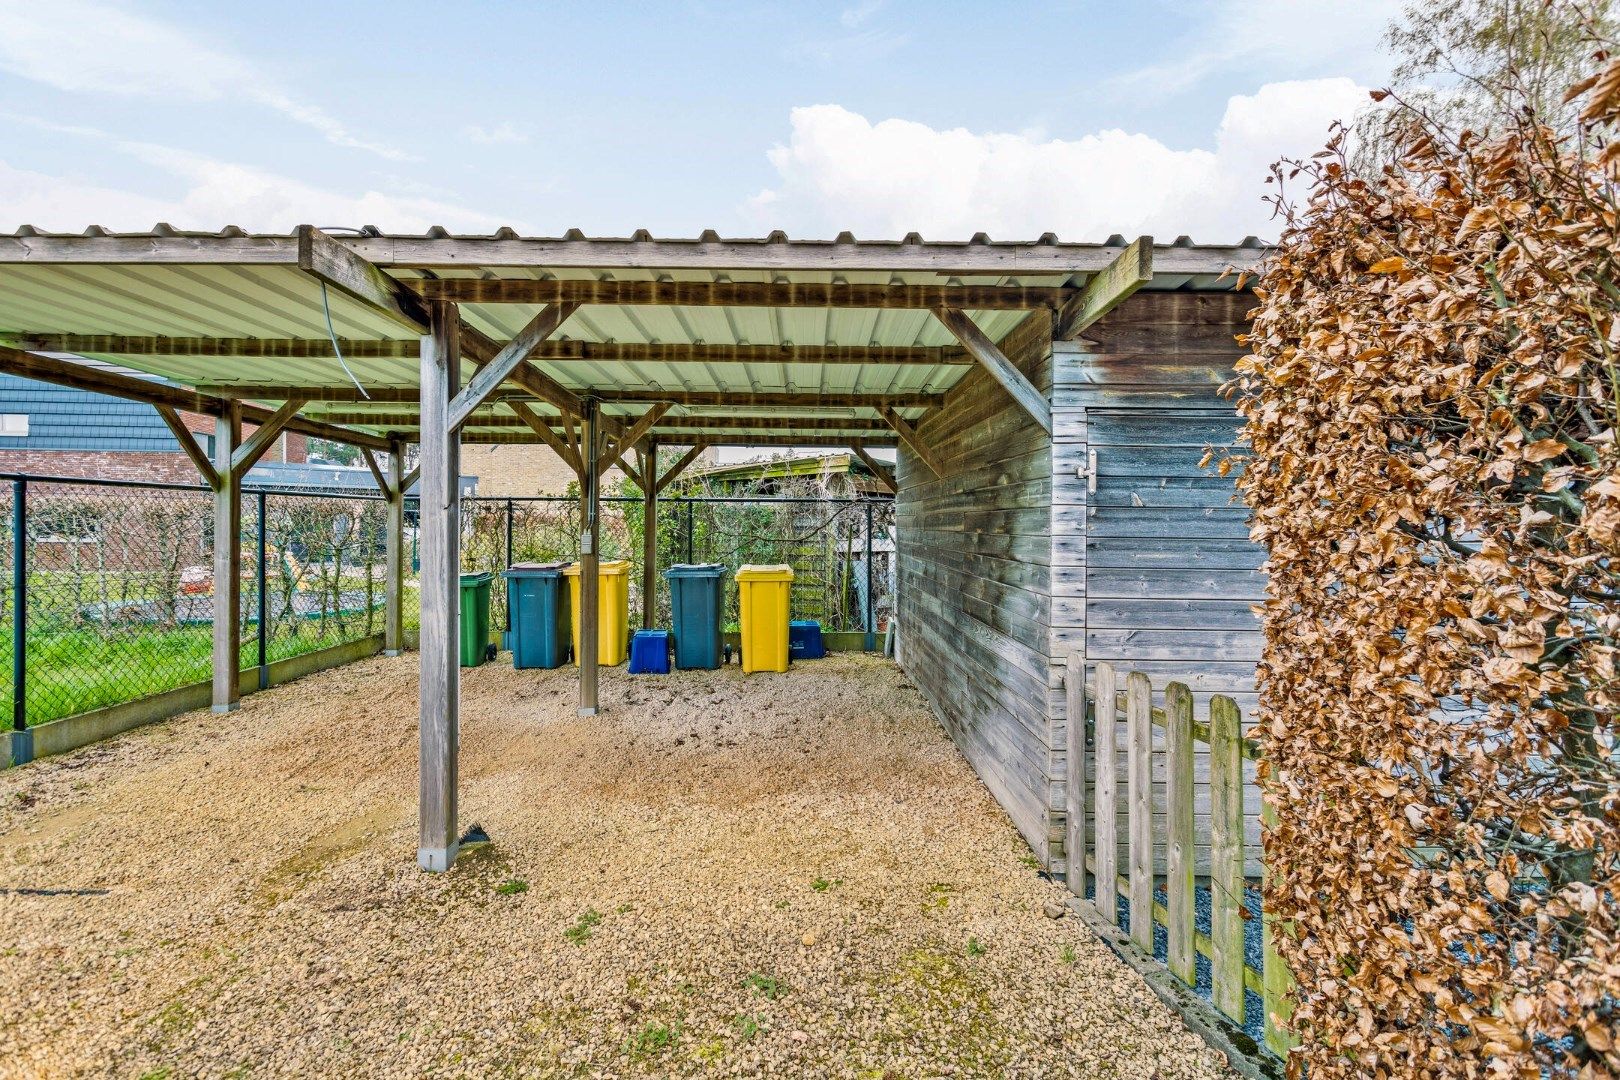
(490, 650)
(726, 652)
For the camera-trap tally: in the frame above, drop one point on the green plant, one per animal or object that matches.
(1067, 954)
(512, 887)
(975, 947)
(748, 1027)
(580, 932)
(768, 985)
(652, 1039)
(822, 884)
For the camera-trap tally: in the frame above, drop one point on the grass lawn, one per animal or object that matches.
(75, 670)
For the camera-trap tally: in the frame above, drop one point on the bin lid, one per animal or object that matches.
(607, 567)
(535, 569)
(776, 572)
(480, 578)
(697, 570)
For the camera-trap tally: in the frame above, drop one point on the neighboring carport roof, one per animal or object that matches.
(741, 336)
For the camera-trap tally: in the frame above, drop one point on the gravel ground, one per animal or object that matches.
(721, 875)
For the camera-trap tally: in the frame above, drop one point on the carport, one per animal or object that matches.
(639, 352)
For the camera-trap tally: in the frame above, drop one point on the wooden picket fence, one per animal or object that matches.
(1222, 732)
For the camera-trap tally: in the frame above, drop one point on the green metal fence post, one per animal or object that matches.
(689, 558)
(259, 583)
(22, 740)
(871, 607)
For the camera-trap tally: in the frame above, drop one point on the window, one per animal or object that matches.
(13, 425)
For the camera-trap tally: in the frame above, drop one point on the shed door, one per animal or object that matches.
(1170, 571)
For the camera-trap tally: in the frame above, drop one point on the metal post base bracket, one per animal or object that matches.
(393, 652)
(437, 860)
(229, 707)
(22, 747)
(588, 710)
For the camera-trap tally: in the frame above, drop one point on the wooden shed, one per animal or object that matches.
(1049, 401)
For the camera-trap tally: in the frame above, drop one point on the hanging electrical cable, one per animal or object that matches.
(326, 306)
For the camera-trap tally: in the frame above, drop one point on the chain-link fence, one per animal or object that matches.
(119, 586)
(119, 575)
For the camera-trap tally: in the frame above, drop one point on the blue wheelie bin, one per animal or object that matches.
(539, 612)
(697, 600)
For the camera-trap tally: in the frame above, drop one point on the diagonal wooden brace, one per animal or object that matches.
(993, 360)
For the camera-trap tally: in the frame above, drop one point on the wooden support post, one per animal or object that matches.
(649, 535)
(227, 560)
(1107, 289)
(883, 473)
(908, 435)
(1139, 773)
(993, 360)
(394, 612)
(1178, 711)
(1074, 686)
(589, 559)
(440, 525)
(1226, 856)
(1276, 979)
(1105, 818)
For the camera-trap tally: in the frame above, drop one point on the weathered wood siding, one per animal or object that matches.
(974, 583)
(1153, 571)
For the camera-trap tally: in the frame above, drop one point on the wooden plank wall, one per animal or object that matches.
(1154, 571)
(974, 583)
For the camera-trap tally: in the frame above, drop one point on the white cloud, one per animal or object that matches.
(841, 171)
(210, 194)
(86, 46)
(858, 14)
(495, 134)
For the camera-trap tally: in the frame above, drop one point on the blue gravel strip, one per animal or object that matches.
(1254, 1014)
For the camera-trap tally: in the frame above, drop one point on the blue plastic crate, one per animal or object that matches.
(649, 652)
(804, 640)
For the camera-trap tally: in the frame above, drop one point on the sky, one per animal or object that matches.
(879, 117)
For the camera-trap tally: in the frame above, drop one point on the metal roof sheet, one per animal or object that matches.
(230, 283)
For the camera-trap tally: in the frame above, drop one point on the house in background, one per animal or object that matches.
(48, 430)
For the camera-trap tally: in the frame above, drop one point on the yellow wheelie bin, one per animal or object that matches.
(762, 602)
(612, 610)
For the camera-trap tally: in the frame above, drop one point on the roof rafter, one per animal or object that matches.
(553, 350)
(742, 294)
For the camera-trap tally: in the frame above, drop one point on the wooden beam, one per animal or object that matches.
(539, 425)
(551, 350)
(227, 636)
(712, 438)
(505, 363)
(1107, 289)
(248, 454)
(742, 399)
(772, 399)
(680, 465)
(188, 443)
(908, 435)
(649, 535)
(884, 473)
(632, 435)
(410, 478)
(979, 255)
(439, 693)
(394, 421)
(743, 294)
(377, 473)
(330, 262)
(588, 643)
(83, 377)
(393, 486)
(1003, 370)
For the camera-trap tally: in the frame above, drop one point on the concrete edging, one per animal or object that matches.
(71, 732)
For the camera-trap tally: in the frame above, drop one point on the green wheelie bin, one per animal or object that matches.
(475, 618)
